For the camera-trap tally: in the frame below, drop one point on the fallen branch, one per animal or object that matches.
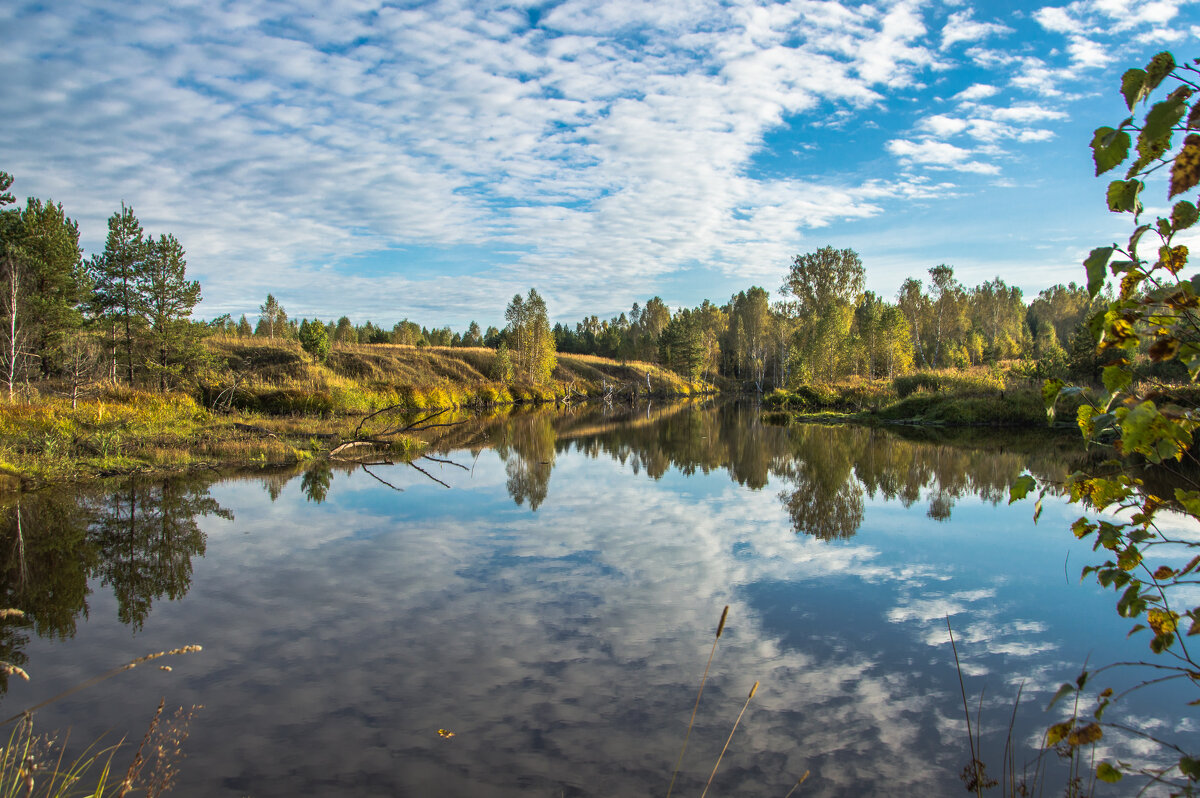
(381, 479)
(447, 462)
(398, 430)
(431, 476)
(352, 445)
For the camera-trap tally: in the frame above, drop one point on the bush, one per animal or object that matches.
(911, 383)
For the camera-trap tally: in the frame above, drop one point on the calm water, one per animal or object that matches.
(555, 605)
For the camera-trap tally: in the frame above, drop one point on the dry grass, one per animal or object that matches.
(296, 405)
(360, 378)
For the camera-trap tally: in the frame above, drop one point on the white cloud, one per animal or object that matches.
(942, 125)
(612, 143)
(590, 157)
(1057, 19)
(961, 27)
(940, 154)
(1023, 113)
(976, 91)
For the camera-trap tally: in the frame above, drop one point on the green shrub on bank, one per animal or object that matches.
(965, 382)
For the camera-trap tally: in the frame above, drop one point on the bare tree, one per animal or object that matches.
(14, 343)
(81, 360)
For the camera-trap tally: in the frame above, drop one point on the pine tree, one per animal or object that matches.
(118, 275)
(55, 279)
(314, 339)
(169, 300)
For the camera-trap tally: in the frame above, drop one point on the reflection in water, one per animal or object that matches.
(526, 442)
(315, 482)
(559, 627)
(137, 537)
(826, 471)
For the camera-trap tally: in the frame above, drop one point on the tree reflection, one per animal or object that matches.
(824, 499)
(316, 480)
(137, 537)
(824, 473)
(526, 442)
(147, 536)
(46, 560)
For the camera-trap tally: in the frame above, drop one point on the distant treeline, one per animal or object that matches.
(822, 327)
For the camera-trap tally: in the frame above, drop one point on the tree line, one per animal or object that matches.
(824, 326)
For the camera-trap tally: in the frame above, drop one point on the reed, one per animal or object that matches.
(733, 731)
(703, 680)
(796, 786)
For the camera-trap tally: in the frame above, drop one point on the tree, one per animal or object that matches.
(870, 333)
(15, 337)
(949, 318)
(473, 336)
(244, 330)
(915, 306)
(406, 332)
(272, 318)
(748, 336)
(314, 340)
(681, 344)
(169, 299)
(1062, 308)
(532, 339)
(998, 313)
(81, 354)
(825, 287)
(345, 332)
(645, 329)
(119, 274)
(502, 367)
(822, 278)
(49, 242)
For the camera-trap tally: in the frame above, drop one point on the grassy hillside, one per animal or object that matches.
(267, 403)
(278, 377)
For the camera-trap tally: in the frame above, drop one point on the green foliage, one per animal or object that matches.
(502, 369)
(533, 353)
(1153, 322)
(315, 340)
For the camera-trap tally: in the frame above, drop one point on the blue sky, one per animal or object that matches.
(429, 160)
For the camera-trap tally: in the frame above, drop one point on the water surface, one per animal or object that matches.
(549, 594)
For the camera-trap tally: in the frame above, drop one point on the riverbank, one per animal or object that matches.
(267, 403)
(990, 397)
(278, 377)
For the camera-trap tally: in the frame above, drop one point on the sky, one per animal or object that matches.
(429, 160)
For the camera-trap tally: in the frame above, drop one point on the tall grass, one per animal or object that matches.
(34, 766)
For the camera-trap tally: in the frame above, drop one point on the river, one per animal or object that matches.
(530, 611)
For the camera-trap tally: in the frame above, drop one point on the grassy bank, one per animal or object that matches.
(972, 397)
(260, 403)
(123, 431)
(278, 377)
